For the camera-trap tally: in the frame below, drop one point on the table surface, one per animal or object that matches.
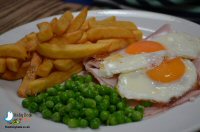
(14, 13)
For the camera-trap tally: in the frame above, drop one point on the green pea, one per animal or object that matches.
(31, 99)
(139, 108)
(74, 77)
(114, 99)
(120, 116)
(61, 88)
(112, 120)
(62, 110)
(68, 84)
(98, 98)
(137, 116)
(74, 113)
(57, 107)
(112, 108)
(146, 103)
(89, 103)
(51, 91)
(68, 107)
(104, 115)
(121, 106)
(46, 113)
(33, 107)
(65, 119)
(26, 103)
(39, 98)
(56, 86)
(128, 119)
(56, 117)
(49, 98)
(88, 78)
(73, 123)
(49, 104)
(56, 99)
(83, 123)
(72, 101)
(95, 123)
(42, 107)
(104, 104)
(79, 105)
(70, 93)
(64, 97)
(128, 111)
(90, 113)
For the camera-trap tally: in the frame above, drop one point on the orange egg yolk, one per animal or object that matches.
(143, 47)
(168, 71)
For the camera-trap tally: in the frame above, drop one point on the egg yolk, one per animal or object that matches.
(168, 71)
(143, 47)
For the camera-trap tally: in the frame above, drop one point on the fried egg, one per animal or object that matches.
(171, 79)
(180, 44)
(144, 54)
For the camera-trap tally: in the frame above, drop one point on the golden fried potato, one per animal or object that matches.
(78, 21)
(71, 51)
(85, 25)
(64, 64)
(120, 24)
(115, 44)
(83, 38)
(11, 76)
(41, 84)
(30, 75)
(60, 25)
(12, 50)
(73, 37)
(2, 65)
(46, 32)
(44, 68)
(137, 34)
(29, 42)
(13, 64)
(108, 19)
(94, 34)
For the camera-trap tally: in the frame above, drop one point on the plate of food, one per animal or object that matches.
(104, 70)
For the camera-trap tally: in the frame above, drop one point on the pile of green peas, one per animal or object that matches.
(82, 103)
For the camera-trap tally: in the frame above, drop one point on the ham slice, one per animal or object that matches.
(92, 66)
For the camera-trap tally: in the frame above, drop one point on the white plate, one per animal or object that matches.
(182, 118)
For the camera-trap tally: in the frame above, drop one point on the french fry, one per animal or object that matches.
(59, 26)
(44, 68)
(10, 75)
(83, 38)
(108, 19)
(12, 50)
(73, 37)
(85, 25)
(137, 35)
(94, 34)
(115, 44)
(58, 40)
(78, 21)
(29, 42)
(63, 64)
(46, 32)
(12, 64)
(30, 75)
(2, 65)
(120, 24)
(71, 51)
(41, 84)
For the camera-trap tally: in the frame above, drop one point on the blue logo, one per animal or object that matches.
(9, 116)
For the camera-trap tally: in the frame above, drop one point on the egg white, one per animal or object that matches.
(180, 44)
(137, 85)
(120, 63)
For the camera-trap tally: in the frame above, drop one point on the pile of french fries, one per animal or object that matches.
(53, 54)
